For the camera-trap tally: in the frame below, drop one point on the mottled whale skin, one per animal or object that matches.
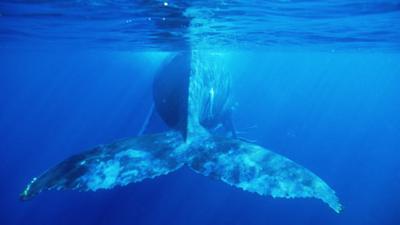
(196, 104)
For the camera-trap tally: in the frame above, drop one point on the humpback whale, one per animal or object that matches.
(195, 102)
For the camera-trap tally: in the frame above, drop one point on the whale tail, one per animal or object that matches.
(117, 164)
(255, 169)
(235, 162)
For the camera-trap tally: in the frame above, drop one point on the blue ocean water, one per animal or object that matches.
(316, 81)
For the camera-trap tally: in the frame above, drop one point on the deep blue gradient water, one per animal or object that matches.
(318, 82)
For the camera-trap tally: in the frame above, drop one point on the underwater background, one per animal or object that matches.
(316, 81)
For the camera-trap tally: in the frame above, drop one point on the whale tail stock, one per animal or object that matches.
(233, 161)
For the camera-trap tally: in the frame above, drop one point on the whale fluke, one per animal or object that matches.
(117, 164)
(238, 163)
(255, 169)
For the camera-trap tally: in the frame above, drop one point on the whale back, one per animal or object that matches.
(210, 100)
(170, 92)
(192, 93)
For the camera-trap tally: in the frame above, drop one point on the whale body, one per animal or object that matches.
(193, 97)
